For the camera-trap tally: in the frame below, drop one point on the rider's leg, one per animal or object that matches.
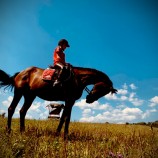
(59, 77)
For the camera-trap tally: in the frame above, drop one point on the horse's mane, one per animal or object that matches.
(101, 74)
(91, 69)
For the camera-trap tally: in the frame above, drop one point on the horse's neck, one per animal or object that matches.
(89, 76)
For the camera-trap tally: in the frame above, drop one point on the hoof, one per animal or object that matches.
(66, 137)
(22, 130)
(8, 130)
(57, 134)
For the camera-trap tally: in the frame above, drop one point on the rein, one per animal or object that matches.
(70, 75)
(87, 90)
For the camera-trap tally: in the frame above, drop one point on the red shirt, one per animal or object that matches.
(59, 56)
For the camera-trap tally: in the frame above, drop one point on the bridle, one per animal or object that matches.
(70, 75)
(87, 90)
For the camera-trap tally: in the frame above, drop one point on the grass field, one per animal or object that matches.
(86, 140)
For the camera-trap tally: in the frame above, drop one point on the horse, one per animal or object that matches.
(29, 84)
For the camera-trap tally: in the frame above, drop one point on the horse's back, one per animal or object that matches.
(28, 77)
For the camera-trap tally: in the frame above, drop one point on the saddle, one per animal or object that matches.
(51, 73)
(48, 74)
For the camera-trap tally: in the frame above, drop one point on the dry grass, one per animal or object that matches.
(86, 140)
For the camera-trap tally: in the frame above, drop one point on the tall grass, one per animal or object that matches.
(86, 140)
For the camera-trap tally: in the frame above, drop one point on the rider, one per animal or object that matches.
(59, 59)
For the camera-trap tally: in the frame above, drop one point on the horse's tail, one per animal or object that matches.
(113, 91)
(7, 80)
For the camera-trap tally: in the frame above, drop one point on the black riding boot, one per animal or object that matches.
(58, 80)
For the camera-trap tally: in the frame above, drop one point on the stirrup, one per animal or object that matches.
(56, 83)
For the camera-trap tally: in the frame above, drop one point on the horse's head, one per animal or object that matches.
(99, 90)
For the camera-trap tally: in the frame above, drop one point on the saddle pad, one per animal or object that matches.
(47, 74)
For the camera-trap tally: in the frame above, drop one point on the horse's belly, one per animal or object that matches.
(51, 96)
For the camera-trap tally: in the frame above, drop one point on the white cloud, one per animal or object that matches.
(35, 106)
(132, 111)
(125, 86)
(123, 98)
(87, 119)
(124, 95)
(28, 116)
(103, 106)
(131, 96)
(121, 106)
(87, 112)
(115, 116)
(122, 91)
(148, 113)
(134, 100)
(95, 105)
(111, 96)
(153, 101)
(8, 101)
(43, 115)
(132, 86)
(137, 102)
(82, 104)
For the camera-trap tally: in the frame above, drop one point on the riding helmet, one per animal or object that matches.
(63, 41)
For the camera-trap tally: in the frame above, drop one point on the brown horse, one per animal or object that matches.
(29, 83)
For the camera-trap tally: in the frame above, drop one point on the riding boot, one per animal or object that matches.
(58, 80)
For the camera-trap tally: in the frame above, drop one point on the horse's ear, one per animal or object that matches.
(113, 91)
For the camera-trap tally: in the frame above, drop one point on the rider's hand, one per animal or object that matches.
(68, 64)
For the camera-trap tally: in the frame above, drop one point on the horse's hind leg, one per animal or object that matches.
(27, 103)
(11, 109)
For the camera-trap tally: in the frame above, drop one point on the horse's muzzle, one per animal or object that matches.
(90, 99)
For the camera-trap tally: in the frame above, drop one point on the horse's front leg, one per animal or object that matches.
(67, 121)
(65, 118)
(62, 119)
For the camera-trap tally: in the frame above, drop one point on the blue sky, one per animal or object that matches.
(118, 37)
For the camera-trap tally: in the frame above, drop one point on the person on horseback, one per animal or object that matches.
(59, 59)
